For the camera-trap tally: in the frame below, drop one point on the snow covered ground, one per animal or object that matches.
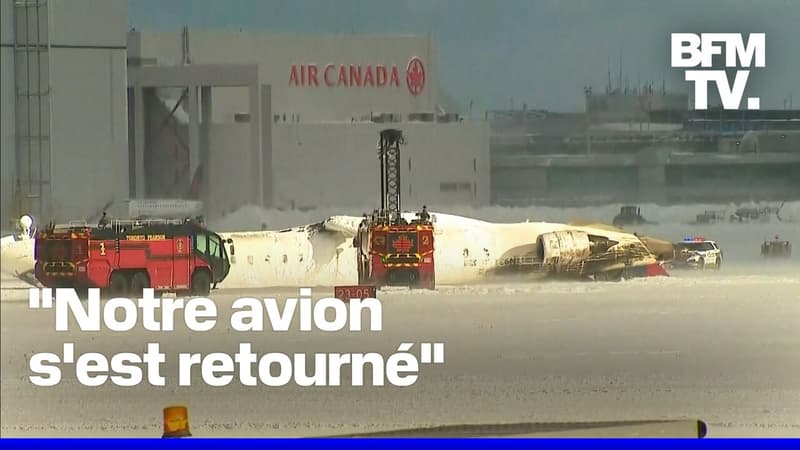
(717, 346)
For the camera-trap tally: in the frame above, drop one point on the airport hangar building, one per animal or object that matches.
(97, 113)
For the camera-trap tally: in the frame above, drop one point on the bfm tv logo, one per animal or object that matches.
(692, 50)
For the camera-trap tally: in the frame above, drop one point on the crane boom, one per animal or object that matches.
(389, 155)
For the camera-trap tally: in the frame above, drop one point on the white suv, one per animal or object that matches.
(698, 253)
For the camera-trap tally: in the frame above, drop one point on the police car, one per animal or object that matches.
(695, 252)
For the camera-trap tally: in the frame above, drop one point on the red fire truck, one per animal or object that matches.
(397, 254)
(126, 256)
(390, 249)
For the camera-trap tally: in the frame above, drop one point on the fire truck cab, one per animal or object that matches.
(392, 251)
(126, 256)
(396, 254)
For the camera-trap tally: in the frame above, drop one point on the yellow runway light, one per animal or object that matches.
(176, 422)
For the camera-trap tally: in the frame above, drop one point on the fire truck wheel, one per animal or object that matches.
(139, 282)
(201, 283)
(118, 284)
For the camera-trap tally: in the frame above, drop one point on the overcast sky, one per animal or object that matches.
(540, 52)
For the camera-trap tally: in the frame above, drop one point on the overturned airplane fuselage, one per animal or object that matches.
(466, 251)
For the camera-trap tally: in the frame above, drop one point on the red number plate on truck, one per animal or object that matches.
(345, 293)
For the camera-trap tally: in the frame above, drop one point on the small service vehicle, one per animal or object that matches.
(696, 252)
(776, 248)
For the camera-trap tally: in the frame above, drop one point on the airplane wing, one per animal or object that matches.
(600, 226)
(346, 225)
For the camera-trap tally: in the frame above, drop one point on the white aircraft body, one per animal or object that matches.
(466, 251)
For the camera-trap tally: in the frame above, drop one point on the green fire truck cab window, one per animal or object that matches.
(200, 243)
(214, 246)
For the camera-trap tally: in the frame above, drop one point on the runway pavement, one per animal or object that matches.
(720, 347)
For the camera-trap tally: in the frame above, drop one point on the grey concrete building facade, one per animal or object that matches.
(646, 147)
(336, 165)
(314, 78)
(63, 107)
(95, 113)
(324, 100)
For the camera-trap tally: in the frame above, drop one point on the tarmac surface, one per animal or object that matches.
(722, 347)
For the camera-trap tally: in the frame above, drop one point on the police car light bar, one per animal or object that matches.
(693, 239)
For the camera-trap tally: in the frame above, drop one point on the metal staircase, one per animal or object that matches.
(32, 107)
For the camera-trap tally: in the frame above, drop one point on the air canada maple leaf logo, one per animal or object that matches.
(402, 244)
(415, 76)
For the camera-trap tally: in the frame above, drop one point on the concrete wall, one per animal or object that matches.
(7, 119)
(88, 22)
(617, 107)
(336, 165)
(90, 153)
(88, 130)
(229, 157)
(775, 141)
(276, 54)
(659, 175)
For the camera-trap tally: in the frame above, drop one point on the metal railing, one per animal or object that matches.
(122, 224)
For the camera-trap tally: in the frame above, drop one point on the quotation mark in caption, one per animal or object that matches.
(46, 301)
(428, 349)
